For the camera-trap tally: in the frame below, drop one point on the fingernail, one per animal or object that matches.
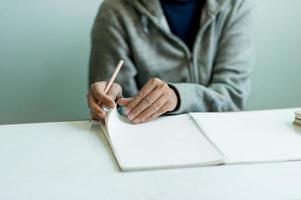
(136, 121)
(126, 111)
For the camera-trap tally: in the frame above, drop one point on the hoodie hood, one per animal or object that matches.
(212, 7)
(151, 9)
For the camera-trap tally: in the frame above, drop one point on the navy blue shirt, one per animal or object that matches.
(183, 17)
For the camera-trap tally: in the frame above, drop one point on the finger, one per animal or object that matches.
(145, 103)
(114, 92)
(124, 101)
(153, 108)
(104, 99)
(160, 112)
(94, 116)
(147, 88)
(94, 107)
(97, 118)
(97, 91)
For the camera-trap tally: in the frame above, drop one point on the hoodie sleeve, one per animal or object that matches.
(230, 83)
(108, 46)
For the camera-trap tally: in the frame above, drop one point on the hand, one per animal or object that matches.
(97, 99)
(153, 100)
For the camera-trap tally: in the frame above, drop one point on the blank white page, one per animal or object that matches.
(253, 136)
(167, 142)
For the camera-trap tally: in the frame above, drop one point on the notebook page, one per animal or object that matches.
(167, 142)
(254, 136)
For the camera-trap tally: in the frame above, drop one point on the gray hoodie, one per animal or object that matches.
(214, 76)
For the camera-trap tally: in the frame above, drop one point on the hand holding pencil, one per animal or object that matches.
(103, 94)
(153, 100)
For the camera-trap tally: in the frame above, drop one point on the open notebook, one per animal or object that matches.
(201, 139)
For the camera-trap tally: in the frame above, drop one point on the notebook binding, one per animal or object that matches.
(201, 130)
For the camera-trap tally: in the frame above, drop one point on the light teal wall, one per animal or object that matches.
(277, 76)
(44, 51)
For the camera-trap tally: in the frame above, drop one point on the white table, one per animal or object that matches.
(71, 160)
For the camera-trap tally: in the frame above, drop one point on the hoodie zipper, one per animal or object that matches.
(177, 41)
(191, 57)
(196, 44)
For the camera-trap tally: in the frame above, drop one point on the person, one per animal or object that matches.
(180, 56)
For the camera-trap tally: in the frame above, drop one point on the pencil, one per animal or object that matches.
(111, 81)
(108, 86)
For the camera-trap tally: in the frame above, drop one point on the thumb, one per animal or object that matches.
(124, 101)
